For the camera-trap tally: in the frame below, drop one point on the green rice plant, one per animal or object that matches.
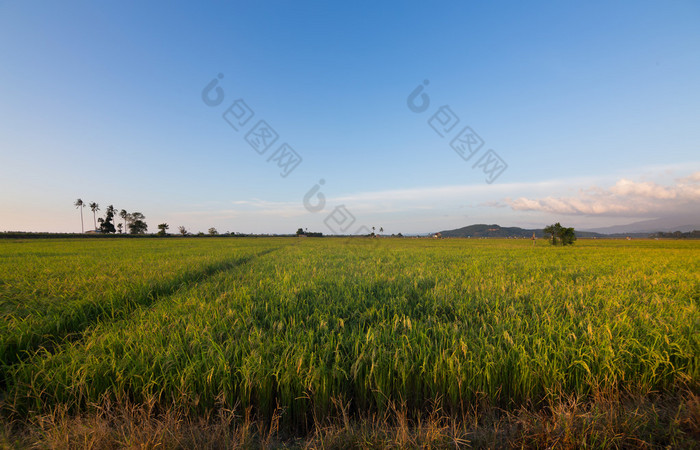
(403, 322)
(51, 291)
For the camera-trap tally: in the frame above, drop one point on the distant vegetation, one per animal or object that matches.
(695, 234)
(497, 231)
(559, 235)
(133, 222)
(301, 232)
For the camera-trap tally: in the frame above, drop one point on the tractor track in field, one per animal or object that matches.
(72, 327)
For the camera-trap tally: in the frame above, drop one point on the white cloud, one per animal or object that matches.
(694, 178)
(625, 197)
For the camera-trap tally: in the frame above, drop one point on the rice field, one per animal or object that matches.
(289, 328)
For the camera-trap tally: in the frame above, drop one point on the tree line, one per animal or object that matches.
(134, 223)
(695, 234)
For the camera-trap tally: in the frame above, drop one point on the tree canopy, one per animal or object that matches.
(560, 235)
(107, 224)
(163, 227)
(136, 222)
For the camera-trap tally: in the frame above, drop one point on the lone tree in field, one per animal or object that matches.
(80, 204)
(162, 227)
(560, 235)
(182, 230)
(136, 223)
(94, 207)
(213, 232)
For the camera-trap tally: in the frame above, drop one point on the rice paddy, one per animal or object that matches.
(289, 328)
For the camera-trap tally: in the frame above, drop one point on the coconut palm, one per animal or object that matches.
(94, 207)
(80, 204)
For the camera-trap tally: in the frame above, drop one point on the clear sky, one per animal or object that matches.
(587, 113)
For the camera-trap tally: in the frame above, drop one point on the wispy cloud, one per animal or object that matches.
(437, 197)
(246, 208)
(625, 197)
(602, 198)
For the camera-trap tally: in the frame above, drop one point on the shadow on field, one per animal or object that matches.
(68, 325)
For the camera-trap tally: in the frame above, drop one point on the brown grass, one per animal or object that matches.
(605, 421)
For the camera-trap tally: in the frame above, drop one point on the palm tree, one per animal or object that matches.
(123, 214)
(94, 207)
(80, 204)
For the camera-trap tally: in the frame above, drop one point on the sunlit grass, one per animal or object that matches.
(290, 326)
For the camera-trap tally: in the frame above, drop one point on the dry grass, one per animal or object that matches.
(609, 420)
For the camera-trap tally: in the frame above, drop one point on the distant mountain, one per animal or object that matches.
(483, 230)
(683, 223)
(497, 231)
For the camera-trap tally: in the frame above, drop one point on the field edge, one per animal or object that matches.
(651, 420)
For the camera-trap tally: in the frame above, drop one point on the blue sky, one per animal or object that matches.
(593, 106)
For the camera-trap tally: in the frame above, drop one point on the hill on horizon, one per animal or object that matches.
(497, 231)
(683, 223)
